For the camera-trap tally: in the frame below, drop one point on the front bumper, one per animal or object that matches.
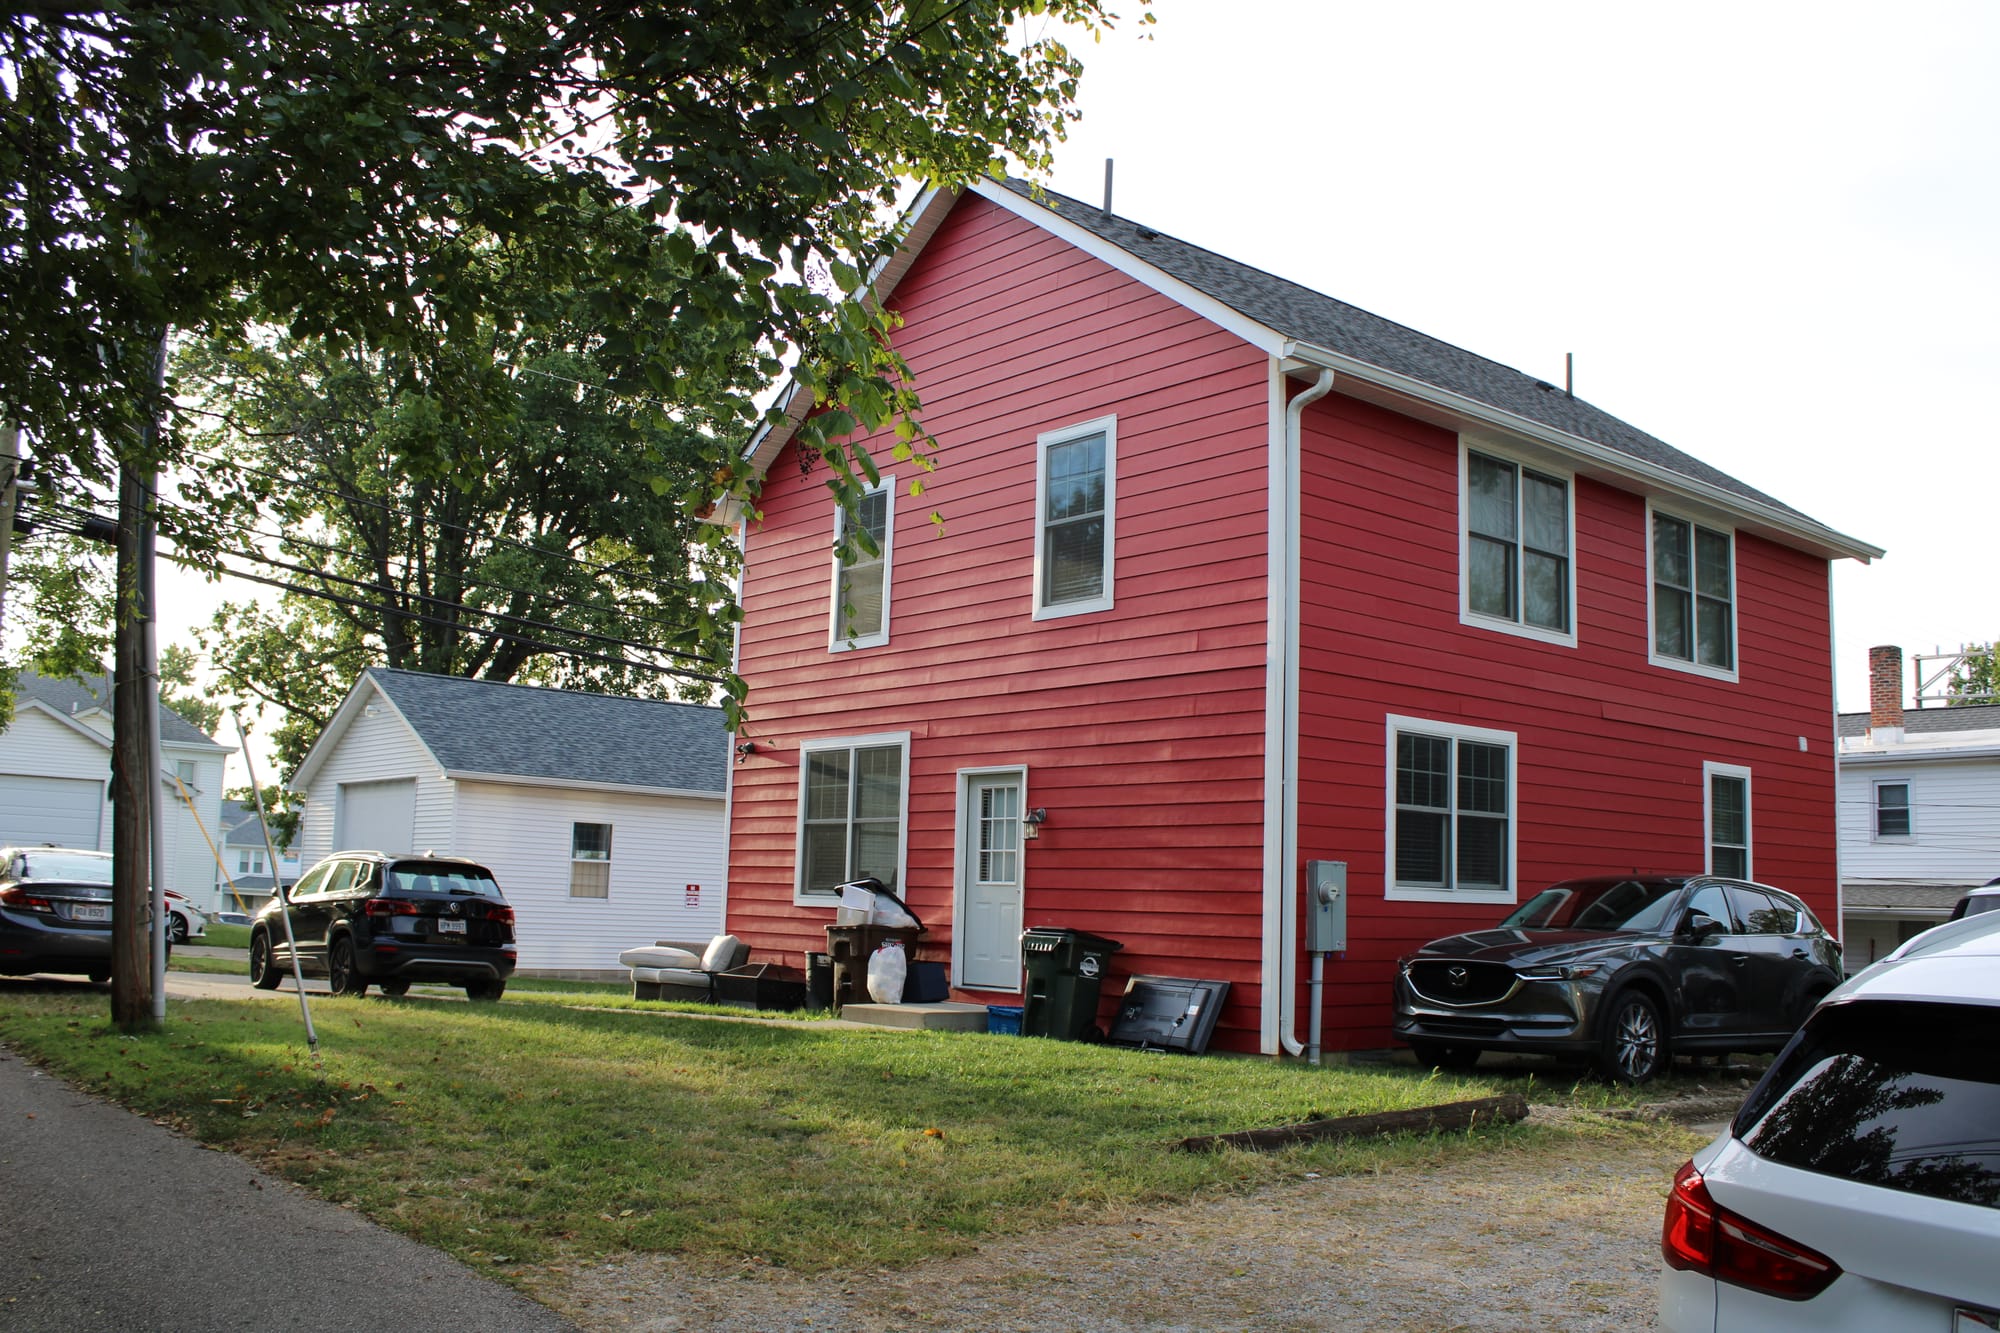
(1538, 1017)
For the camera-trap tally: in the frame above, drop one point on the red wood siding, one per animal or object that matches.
(1141, 727)
(1609, 748)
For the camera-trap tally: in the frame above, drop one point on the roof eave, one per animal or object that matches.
(580, 784)
(1791, 528)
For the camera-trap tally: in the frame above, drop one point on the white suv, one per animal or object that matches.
(1859, 1186)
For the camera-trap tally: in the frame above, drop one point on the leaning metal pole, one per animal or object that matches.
(277, 883)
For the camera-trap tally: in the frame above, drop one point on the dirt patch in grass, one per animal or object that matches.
(1555, 1228)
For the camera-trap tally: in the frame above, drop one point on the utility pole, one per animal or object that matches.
(10, 471)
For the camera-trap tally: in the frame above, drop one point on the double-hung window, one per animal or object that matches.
(1728, 819)
(1075, 518)
(1892, 809)
(1693, 596)
(1516, 571)
(1451, 812)
(860, 615)
(853, 804)
(590, 861)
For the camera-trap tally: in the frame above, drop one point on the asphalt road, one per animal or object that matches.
(113, 1224)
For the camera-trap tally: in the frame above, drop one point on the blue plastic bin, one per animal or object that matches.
(1004, 1019)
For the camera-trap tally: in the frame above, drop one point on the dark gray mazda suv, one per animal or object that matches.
(1622, 970)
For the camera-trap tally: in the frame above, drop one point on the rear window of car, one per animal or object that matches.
(63, 865)
(441, 877)
(1901, 1094)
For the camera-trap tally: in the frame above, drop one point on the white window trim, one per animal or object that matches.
(1709, 772)
(1467, 446)
(836, 641)
(1735, 598)
(575, 861)
(800, 898)
(1108, 427)
(1455, 732)
(1875, 810)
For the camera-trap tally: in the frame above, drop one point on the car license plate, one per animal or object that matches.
(89, 912)
(449, 927)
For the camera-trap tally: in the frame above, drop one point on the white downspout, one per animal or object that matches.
(1286, 513)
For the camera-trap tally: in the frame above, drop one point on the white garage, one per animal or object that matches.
(601, 816)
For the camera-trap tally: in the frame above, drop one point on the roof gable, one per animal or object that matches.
(66, 698)
(527, 733)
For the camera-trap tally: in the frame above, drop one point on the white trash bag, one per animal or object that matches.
(888, 968)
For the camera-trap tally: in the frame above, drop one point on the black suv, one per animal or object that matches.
(361, 918)
(1624, 970)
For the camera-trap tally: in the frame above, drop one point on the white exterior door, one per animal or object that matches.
(376, 817)
(988, 935)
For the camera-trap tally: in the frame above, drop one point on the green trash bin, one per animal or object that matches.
(1065, 970)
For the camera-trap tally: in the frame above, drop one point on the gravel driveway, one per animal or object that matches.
(1560, 1233)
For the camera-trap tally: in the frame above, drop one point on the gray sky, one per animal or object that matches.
(1765, 229)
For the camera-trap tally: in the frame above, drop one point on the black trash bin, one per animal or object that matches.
(1065, 972)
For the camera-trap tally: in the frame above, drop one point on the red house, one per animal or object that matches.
(1233, 577)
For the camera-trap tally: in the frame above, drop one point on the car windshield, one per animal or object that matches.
(1607, 904)
(441, 877)
(56, 863)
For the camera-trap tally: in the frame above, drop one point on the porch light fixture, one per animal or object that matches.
(744, 749)
(1031, 823)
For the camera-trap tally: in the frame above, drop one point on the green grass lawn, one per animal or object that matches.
(220, 936)
(545, 1132)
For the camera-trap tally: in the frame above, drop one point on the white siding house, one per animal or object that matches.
(602, 817)
(1919, 811)
(55, 779)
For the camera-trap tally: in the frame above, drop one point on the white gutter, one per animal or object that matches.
(1798, 527)
(1282, 722)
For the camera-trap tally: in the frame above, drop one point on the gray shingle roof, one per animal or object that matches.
(480, 726)
(70, 697)
(1884, 895)
(1931, 721)
(1301, 313)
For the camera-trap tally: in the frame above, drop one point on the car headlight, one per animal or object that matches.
(1566, 972)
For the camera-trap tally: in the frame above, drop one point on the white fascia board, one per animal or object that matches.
(1927, 754)
(87, 732)
(1792, 528)
(925, 215)
(343, 718)
(1262, 336)
(579, 784)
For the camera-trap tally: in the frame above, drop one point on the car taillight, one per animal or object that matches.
(27, 902)
(389, 907)
(1702, 1236)
(504, 915)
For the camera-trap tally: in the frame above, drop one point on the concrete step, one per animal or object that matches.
(946, 1017)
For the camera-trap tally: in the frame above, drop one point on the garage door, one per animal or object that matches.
(376, 816)
(64, 811)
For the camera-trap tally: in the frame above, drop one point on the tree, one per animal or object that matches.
(530, 543)
(348, 165)
(180, 692)
(1976, 678)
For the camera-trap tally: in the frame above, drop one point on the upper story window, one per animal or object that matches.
(184, 770)
(1451, 812)
(1728, 820)
(590, 860)
(852, 806)
(1515, 571)
(1892, 809)
(1075, 513)
(1693, 596)
(860, 615)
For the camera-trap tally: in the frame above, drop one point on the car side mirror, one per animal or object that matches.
(1698, 926)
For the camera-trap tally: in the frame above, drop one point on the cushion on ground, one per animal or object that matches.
(672, 976)
(659, 955)
(724, 952)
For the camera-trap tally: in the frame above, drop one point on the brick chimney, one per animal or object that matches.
(1885, 691)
